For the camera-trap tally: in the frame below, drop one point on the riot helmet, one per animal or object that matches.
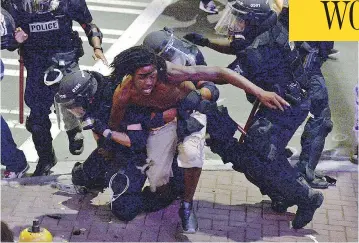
(76, 92)
(242, 15)
(172, 48)
(7, 29)
(36, 6)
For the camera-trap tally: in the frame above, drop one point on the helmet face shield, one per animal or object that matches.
(242, 13)
(178, 51)
(230, 22)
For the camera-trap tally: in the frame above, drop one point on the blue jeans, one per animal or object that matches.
(13, 158)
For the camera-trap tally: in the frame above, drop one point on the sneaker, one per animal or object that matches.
(11, 174)
(333, 54)
(76, 141)
(208, 8)
(188, 218)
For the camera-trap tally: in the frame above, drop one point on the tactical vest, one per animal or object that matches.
(49, 32)
(271, 60)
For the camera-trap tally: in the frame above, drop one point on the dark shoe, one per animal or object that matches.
(318, 183)
(76, 141)
(45, 164)
(306, 212)
(188, 218)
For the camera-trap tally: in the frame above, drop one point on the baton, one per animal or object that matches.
(21, 86)
(249, 120)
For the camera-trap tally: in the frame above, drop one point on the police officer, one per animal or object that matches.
(51, 50)
(265, 56)
(319, 125)
(120, 159)
(12, 157)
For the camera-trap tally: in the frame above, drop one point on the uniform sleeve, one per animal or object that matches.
(78, 11)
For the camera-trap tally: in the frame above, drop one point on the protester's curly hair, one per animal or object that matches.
(128, 61)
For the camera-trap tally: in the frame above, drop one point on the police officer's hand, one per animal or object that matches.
(272, 100)
(20, 35)
(197, 39)
(99, 127)
(98, 54)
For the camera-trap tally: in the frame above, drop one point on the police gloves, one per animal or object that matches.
(99, 127)
(197, 39)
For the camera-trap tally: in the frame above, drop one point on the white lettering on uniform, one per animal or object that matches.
(44, 26)
(255, 5)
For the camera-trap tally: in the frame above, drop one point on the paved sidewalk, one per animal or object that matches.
(229, 208)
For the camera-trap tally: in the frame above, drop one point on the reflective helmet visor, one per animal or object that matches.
(178, 51)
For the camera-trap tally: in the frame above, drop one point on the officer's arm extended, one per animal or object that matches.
(219, 75)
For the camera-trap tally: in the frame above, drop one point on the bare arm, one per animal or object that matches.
(218, 75)
(120, 100)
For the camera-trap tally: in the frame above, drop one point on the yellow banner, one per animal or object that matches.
(323, 20)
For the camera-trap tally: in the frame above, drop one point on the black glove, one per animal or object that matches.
(99, 127)
(197, 39)
(191, 101)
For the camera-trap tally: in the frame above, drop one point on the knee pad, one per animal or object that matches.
(327, 124)
(128, 206)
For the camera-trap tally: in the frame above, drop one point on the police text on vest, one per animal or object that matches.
(45, 26)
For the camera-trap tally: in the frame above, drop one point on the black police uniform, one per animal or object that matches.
(110, 158)
(48, 34)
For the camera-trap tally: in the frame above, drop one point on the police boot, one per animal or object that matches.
(45, 163)
(76, 141)
(188, 218)
(306, 205)
(314, 180)
(279, 204)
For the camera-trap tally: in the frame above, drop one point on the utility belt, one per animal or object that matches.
(293, 93)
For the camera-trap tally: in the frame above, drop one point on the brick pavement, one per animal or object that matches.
(229, 208)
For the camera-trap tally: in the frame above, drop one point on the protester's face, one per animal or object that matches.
(145, 79)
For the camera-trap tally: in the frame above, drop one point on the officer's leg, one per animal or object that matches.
(12, 157)
(128, 200)
(39, 98)
(315, 131)
(91, 173)
(282, 178)
(73, 130)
